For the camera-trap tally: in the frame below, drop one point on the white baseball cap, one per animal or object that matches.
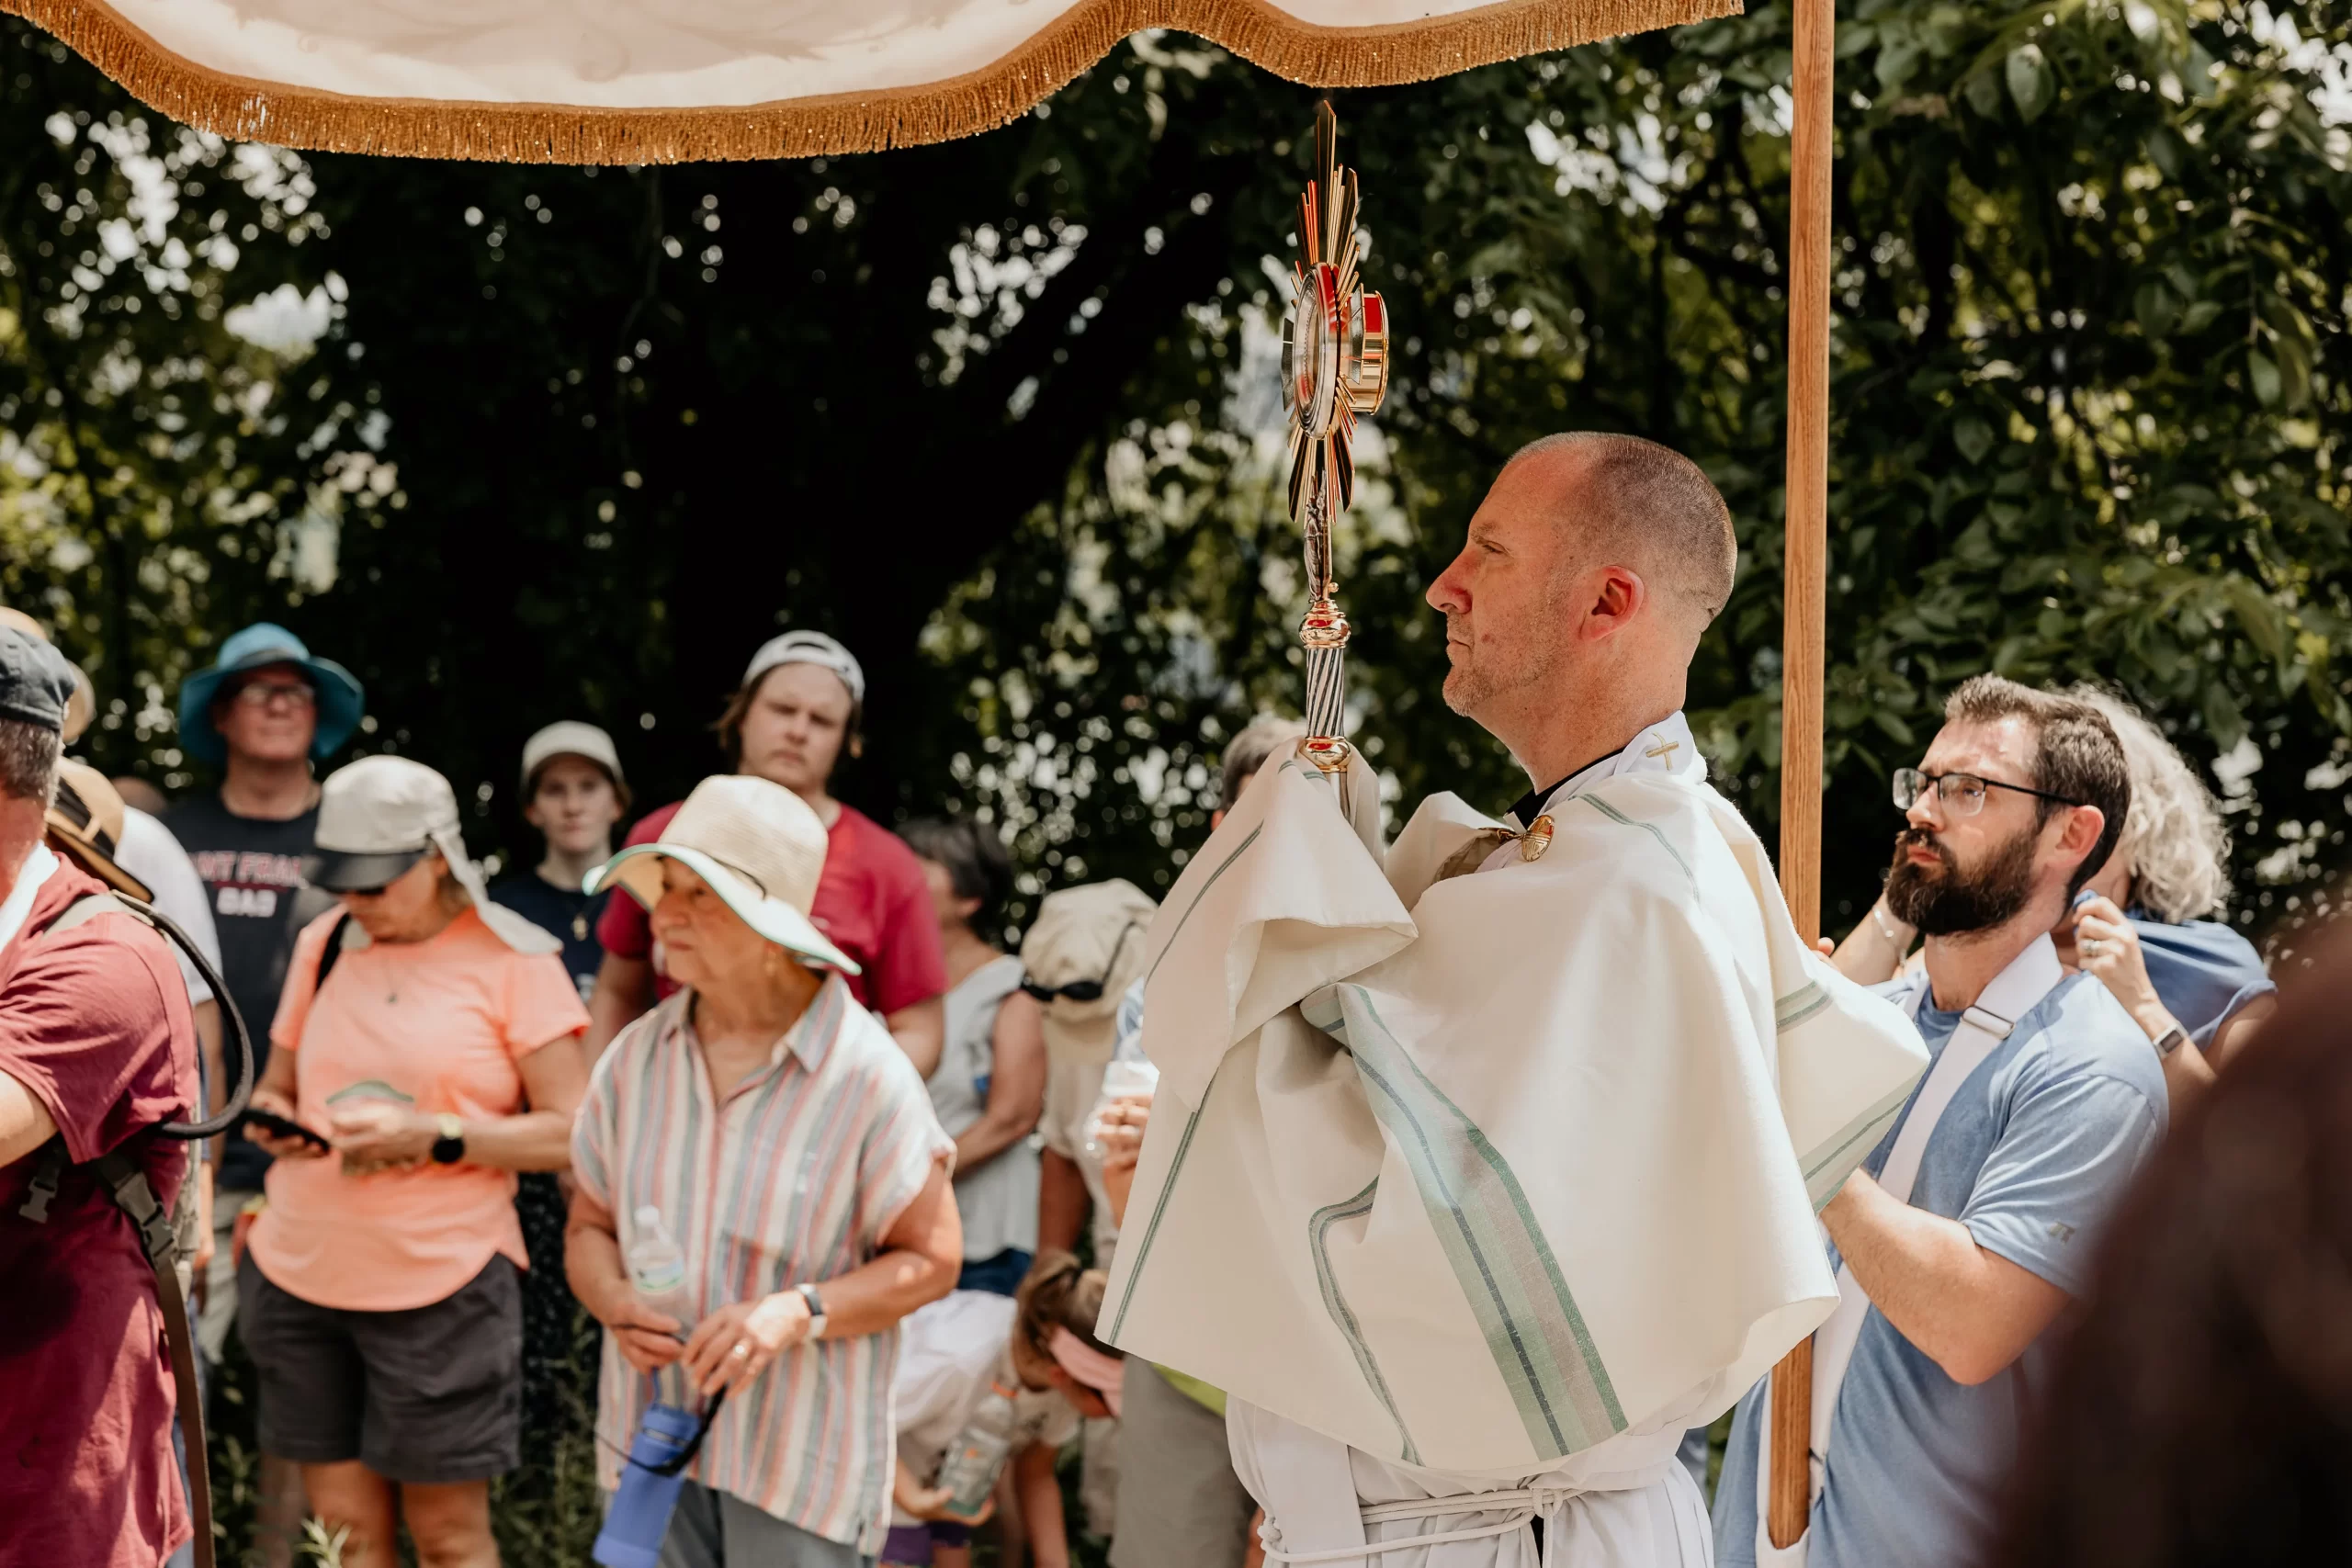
(569, 737)
(759, 846)
(809, 648)
(379, 816)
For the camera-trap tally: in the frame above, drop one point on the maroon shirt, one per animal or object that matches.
(871, 902)
(95, 1021)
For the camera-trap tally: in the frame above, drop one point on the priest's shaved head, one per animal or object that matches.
(1591, 570)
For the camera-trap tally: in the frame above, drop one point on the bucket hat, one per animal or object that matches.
(1098, 935)
(759, 846)
(85, 823)
(341, 701)
(379, 816)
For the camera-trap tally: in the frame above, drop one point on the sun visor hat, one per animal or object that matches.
(256, 648)
(759, 846)
(380, 815)
(1090, 936)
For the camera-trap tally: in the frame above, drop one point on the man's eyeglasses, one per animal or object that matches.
(1959, 795)
(261, 694)
(1083, 990)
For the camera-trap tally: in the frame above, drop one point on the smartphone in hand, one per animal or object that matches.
(279, 1126)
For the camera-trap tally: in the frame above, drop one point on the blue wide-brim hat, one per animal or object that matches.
(341, 701)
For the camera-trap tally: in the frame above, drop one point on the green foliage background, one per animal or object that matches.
(518, 443)
(567, 442)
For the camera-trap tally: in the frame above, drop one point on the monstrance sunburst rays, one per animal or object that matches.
(1335, 366)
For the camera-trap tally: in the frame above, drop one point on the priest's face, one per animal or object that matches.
(1501, 598)
(1957, 870)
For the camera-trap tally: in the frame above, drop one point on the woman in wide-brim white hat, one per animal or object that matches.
(768, 1126)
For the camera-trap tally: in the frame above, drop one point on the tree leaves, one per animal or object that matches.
(2027, 72)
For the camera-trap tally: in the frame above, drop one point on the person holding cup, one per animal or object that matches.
(428, 1041)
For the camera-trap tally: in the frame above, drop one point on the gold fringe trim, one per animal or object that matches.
(248, 111)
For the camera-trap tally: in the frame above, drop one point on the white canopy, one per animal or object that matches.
(670, 81)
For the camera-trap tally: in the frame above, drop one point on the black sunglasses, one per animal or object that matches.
(1081, 990)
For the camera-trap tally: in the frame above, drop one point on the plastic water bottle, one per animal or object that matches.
(657, 1272)
(971, 1467)
(657, 1267)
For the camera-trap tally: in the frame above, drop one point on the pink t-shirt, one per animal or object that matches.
(438, 1026)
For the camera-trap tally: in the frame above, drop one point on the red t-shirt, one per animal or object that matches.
(95, 1021)
(872, 903)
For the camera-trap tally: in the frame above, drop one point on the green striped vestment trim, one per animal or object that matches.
(1851, 1144)
(1508, 1274)
(1799, 1005)
(1650, 827)
(1239, 850)
(1159, 1204)
(1317, 1228)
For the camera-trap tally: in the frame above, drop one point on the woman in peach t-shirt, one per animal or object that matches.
(380, 1292)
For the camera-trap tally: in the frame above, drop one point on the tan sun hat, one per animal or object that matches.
(1094, 937)
(759, 847)
(379, 816)
(85, 823)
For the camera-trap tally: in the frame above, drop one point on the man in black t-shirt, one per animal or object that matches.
(263, 713)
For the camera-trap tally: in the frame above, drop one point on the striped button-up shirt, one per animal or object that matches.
(795, 1175)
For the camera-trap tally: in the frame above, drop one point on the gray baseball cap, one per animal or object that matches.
(809, 648)
(569, 737)
(35, 682)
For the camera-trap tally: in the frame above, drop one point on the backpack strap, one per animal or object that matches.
(334, 952)
(159, 1239)
(84, 910)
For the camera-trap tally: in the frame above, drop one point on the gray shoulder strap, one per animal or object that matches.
(84, 910)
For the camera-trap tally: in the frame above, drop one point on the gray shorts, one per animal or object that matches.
(719, 1529)
(1183, 1507)
(429, 1394)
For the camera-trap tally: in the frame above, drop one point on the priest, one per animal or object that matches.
(1481, 1172)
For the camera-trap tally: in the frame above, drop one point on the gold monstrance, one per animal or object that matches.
(1335, 366)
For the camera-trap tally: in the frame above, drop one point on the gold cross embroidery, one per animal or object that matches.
(1664, 748)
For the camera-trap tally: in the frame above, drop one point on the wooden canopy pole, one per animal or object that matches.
(1803, 628)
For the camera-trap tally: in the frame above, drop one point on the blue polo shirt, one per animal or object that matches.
(2031, 1155)
(2202, 971)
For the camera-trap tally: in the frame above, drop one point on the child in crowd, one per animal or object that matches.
(1040, 1347)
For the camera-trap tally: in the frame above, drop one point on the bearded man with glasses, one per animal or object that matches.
(1972, 1224)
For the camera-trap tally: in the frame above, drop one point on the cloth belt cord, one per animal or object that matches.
(2016, 991)
(1524, 1505)
(159, 1239)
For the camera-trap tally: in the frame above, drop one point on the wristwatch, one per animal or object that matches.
(816, 1310)
(2171, 1040)
(450, 1147)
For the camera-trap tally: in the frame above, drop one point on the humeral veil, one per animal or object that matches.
(1476, 1172)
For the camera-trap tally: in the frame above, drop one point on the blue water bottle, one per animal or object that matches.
(639, 1520)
